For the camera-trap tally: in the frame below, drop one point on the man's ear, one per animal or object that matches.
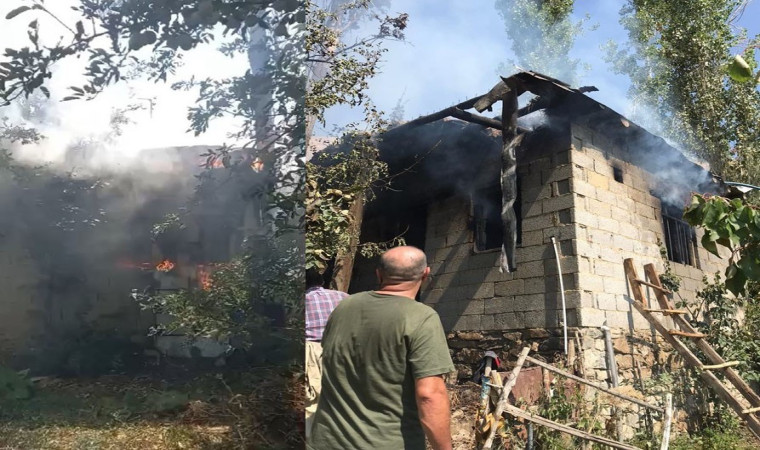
(426, 273)
(379, 276)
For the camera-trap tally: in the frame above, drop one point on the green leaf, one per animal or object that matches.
(694, 214)
(710, 214)
(709, 244)
(749, 265)
(736, 280)
(17, 11)
(739, 70)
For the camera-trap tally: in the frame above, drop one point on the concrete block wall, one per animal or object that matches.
(572, 195)
(467, 288)
(619, 219)
(570, 192)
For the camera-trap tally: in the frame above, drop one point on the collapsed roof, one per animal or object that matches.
(437, 134)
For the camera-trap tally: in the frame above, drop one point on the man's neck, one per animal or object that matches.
(400, 291)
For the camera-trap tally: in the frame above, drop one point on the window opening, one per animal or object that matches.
(617, 173)
(488, 227)
(680, 237)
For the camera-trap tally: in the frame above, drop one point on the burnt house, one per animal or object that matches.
(74, 249)
(576, 173)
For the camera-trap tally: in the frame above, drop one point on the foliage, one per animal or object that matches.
(734, 339)
(14, 385)
(563, 406)
(668, 278)
(566, 407)
(723, 434)
(334, 181)
(220, 311)
(732, 225)
(172, 221)
(542, 34)
(340, 72)
(677, 60)
(339, 75)
(711, 424)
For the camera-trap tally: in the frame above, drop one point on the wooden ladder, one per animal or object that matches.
(687, 331)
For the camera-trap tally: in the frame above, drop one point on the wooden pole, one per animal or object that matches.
(666, 421)
(517, 412)
(570, 376)
(504, 396)
(668, 311)
(510, 141)
(344, 260)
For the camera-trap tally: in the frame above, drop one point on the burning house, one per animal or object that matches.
(573, 172)
(73, 249)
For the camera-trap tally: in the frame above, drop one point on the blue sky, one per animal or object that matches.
(453, 50)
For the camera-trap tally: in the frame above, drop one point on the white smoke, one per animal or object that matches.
(161, 120)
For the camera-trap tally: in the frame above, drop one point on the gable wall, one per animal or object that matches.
(619, 221)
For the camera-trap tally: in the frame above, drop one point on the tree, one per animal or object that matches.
(677, 63)
(542, 33)
(735, 226)
(338, 189)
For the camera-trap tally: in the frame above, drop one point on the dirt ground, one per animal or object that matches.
(464, 407)
(257, 409)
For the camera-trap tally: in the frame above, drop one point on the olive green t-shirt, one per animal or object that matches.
(374, 347)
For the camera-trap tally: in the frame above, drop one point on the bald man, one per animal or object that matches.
(383, 358)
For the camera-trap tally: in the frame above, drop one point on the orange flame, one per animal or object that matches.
(257, 165)
(204, 277)
(165, 266)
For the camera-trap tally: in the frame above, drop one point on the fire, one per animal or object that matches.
(211, 163)
(257, 165)
(165, 266)
(204, 277)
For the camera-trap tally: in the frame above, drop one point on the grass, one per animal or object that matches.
(223, 410)
(738, 439)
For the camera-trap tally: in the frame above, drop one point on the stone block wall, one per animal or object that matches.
(598, 219)
(619, 219)
(468, 290)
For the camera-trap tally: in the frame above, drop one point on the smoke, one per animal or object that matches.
(675, 177)
(80, 204)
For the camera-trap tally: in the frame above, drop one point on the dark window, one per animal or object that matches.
(680, 238)
(487, 224)
(617, 173)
